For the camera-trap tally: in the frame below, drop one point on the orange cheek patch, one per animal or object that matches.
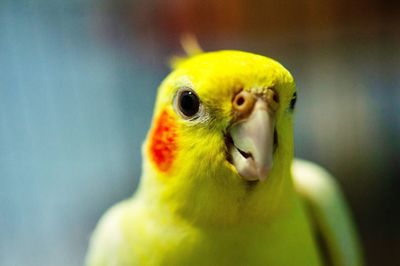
(163, 141)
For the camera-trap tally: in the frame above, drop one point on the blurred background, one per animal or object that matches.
(78, 81)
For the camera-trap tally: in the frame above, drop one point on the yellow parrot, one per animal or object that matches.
(219, 184)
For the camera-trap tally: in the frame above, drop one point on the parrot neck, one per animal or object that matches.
(216, 198)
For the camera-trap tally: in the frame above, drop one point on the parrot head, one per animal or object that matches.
(221, 141)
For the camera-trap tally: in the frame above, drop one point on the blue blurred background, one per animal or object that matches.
(78, 81)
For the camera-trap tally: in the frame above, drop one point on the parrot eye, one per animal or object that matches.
(187, 103)
(293, 101)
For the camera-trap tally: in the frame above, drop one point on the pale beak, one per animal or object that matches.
(253, 142)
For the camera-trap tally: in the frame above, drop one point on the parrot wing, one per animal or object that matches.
(108, 242)
(329, 213)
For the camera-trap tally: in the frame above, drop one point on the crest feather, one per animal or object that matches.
(191, 47)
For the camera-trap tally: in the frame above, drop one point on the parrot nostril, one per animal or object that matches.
(243, 103)
(275, 98)
(240, 101)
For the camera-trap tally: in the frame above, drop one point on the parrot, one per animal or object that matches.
(220, 184)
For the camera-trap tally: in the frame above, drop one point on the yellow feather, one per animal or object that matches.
(191, 47)
(200, 211)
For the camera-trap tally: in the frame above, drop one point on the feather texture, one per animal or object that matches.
(192, 207)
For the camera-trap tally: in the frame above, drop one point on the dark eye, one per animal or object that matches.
(188, 103)
(293, 102)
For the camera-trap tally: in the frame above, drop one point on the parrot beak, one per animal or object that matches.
(252, 137)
